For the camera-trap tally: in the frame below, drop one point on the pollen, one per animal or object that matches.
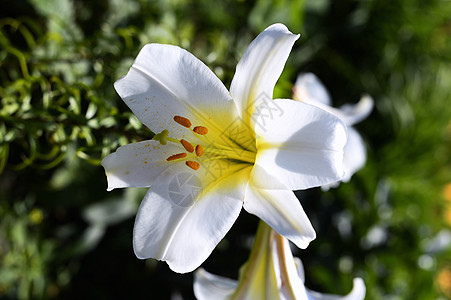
(176, 156)
(183, 121)
(200, 130)
(192, 164)
(199, 150)
(188, 147)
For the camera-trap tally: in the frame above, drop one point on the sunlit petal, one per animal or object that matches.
(184, 235)
(165, 81)
(270, 200)
(138, 164)
(260, 67)
(303, 147)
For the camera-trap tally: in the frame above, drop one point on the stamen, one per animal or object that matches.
(183, 121)
(200, 130)
(192, 164)
(176, 156)
(199, 150)
(188, 147)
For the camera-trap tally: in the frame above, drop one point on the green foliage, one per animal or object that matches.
(25, 254)
(63, 236)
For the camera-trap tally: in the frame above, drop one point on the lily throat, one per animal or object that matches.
(195, 154)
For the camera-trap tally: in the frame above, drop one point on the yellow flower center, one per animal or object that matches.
(194, 152)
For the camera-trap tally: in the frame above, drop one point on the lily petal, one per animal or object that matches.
(300, 268)
(309, 87)
(165, 81)
(270, 200)
(354, 157)
(207, 285)
(303, 147)
(292, 283)
(184, 235)
(357, 293)
(137, 164)
(354, 113)
(260, 67)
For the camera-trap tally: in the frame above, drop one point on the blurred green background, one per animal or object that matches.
(62, 236)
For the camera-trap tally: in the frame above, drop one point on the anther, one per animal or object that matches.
(188, 147)
(200, 130)
(192, 164)
(199, 150)
(183, 121)
(176, 156)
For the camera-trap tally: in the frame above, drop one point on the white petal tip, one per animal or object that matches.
(366, 103)
(303, 245)
(306, 77)
(305, 240)
(308, 88)
(358, 281)
(138, 253)
(110, 179)
(281, 28)
(174, 266)
(180, 269)
(278, 26)
(354, 113)
(119, 79)
(358, 290)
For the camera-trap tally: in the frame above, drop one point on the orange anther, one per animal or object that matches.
(200, 130)
(188, 147)
(199, 150)
(176, 156)
(183, 121)
(192, 164)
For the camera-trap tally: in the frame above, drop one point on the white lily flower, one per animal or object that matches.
(271, 273)
(216, 151)
(309, 89)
